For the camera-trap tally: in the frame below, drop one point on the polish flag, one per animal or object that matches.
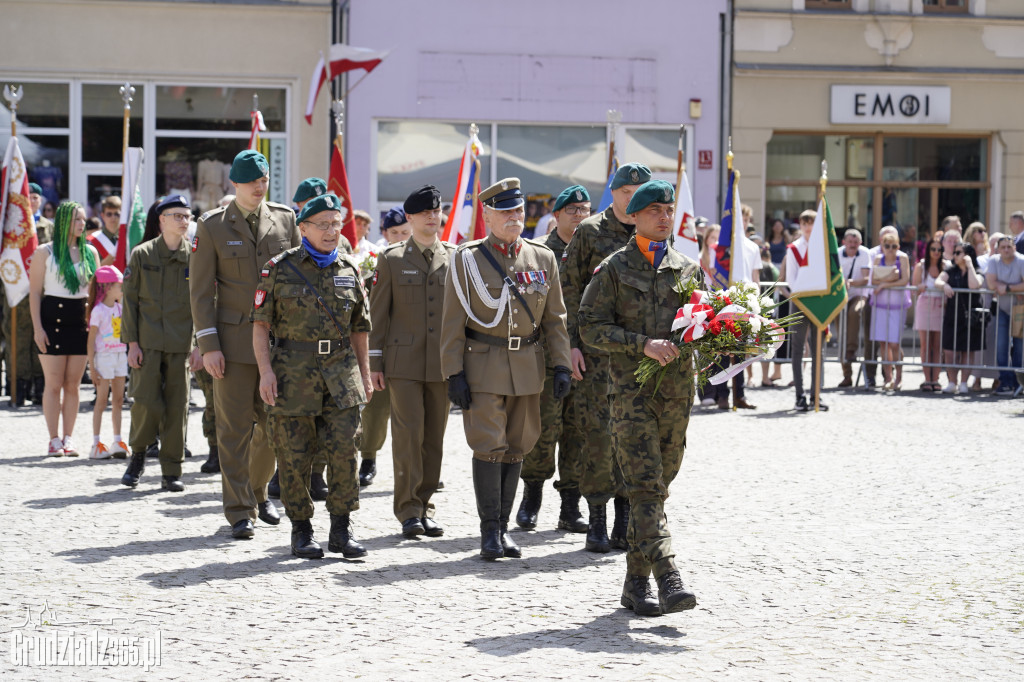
(467, 217)
(343, 58)
(685, 231)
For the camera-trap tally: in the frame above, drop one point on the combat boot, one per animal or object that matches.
(38, 383)
(570, 518)
(367, 472)
(304, 545)
(318, 486)
(597, 531)
(533, 491)
(136, 467)
(638, 597)
(274, 487)
(20, 393)
(847, 381)
(212, 463)
(509, 483)
(673, 595)
(621, 523)
(341, 538)
(487, 487)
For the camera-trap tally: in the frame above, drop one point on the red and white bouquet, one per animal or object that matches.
(368, 264)
(714, 324)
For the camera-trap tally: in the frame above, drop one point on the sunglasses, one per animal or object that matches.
(936, 249)
(958, 253)
(890, 246)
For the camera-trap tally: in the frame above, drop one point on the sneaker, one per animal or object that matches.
(56, 448)
(964, 390)
(99, 451)
(1004, 391)
(119, 450)
(707, 402)
(69, 447)
(801, 404)
(950, 387)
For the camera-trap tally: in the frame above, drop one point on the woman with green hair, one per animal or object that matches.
(58, 287)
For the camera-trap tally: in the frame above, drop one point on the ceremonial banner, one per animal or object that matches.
(342, 58)
(606, 195)
(724, 253)
(684, 229)
(466, 220)
(337, 182)
(133, 210)
(818, 287)
(19, 227)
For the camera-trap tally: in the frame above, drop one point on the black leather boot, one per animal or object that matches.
(136, 467)
(533, 491)
(274, 487)
(487, 487)
(509, 483)
(304, 545)
(341, 538)
(172, 484)
(367, 472)
(20, 393)
(212, 463)
(638, 597)
(318, 486)
(597, 532)
(673, 595)
(569, 517)
(621, 523)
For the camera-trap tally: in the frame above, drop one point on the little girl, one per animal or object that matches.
(108, 357)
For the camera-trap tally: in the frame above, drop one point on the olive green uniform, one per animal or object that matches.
(373, 427)
(27, 360)
(319, 386)
(557, 422)
(157, 315)
(227, 254)
(628, 302)
(595, 239)
(205, 382)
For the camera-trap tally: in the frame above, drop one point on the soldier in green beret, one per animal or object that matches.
(312, 299)
(627, 311)
(595, 239)
(557, 421)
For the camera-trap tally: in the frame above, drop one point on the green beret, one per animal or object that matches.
(631, 174)
(571, 195)
(309, 188)
(653, 192)
(34, 188)
(324, 202)
(248, 166)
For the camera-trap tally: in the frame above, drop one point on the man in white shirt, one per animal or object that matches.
(855, 262)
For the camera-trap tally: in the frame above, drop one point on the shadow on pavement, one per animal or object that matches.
(95, 555)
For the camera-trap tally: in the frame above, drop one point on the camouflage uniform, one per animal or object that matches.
(317, 406)
(27, 363)
(595, 239)
(627, 303)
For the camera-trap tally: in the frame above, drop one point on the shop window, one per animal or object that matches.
(937, 158)
(950, 6)
(43, 105)
(46, 157)
(827, 4)
(103, 122)
(547, 159)
(181, 107)
(658, 148)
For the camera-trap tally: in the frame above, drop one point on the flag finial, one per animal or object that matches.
(338, 108)
(255, 102)
(728, 155)
(127, 94)
(824, 175)
(473, 129)
(13, 95)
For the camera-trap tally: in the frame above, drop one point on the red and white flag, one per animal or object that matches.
(684, 229)
(257, 126)
(133, 211)
(337, 182)
(342, 58)
(467, 217)
(19, 227)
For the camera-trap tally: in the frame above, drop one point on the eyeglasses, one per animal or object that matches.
(323, 227)
(890, 246)
(577, 210)
(178, 217)
(958, 253)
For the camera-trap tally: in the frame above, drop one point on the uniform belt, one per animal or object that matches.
(510, 342)
(321, 347)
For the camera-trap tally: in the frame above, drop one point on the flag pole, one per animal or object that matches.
(338, 109)
(127, 91)
(679, 162)
(361, 79)
(816, 379)
(13, 95)
(614, 117)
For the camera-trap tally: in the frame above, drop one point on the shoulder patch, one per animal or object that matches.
(195, 243)
(597, 269)
(260, 297)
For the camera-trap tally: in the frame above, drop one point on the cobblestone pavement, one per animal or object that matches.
(881, 539)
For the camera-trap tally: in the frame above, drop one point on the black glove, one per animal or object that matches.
(563, 381)
(458, 391)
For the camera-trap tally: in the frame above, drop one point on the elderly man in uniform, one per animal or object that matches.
(312, 299)
(627, 311)
(228, 250)
(406, 305)
(502, 293)
(557, 420)
(596, 238)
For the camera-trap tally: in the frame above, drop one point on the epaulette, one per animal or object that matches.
(449, 246)
(466, 245)
(539, 243)
(393, 247)
(212, 212)
(280, 207)
(265, 272)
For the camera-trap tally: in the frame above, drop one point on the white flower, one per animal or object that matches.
(755, 324)
(766, 302)
(753, 303)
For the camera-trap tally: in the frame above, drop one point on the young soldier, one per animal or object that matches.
(312, 300)
(597, 238)
(406, 303)
(105, 239)
(491, 353)
(627, 311)
(557, 420)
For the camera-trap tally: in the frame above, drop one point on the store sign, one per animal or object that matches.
(890, 104)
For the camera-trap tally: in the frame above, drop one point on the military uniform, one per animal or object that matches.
(29, 369)
(44, 230)
(373, 427)
(227, 253)
(205, 382)
(157, 315)
(319, 384)
(406, 303)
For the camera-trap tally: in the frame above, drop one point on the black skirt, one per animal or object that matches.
(65, 325)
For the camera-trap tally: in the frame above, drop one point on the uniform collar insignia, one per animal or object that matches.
(512, 249)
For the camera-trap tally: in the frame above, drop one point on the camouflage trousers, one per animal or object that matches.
(375, 424)
(298, 442)
(205, 382)
(650, 437)
(600, 479)
(27, 362)
(558, 427)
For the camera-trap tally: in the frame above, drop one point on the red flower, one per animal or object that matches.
(715, 327)
(728, 301)
(731, 327)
